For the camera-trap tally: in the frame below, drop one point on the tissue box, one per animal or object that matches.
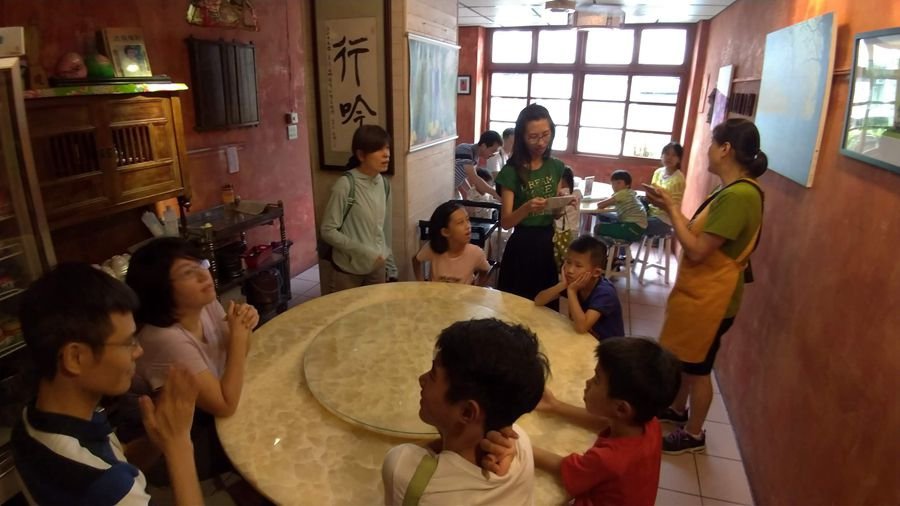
(12, 41)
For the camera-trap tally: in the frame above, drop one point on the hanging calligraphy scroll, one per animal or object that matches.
(350, 74)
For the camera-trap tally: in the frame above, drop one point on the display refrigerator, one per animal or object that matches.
(25, 252)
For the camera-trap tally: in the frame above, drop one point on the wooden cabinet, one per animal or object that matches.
(99, 154)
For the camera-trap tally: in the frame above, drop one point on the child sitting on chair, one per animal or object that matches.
(566, 225)
(593, 303)
(631, 216)
(453, 258)
(484, 376)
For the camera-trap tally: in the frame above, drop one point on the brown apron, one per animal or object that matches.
(700, 297)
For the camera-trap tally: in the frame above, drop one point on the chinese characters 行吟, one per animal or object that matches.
(355, 111)
(347, 50)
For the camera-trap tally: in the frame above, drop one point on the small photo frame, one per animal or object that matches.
(125, 47)
(463, 85)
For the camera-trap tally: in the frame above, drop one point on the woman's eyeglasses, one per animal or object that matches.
(536, 138)
(193, 271)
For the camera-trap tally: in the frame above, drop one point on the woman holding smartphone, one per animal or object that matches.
(527, 181)
(717, 244)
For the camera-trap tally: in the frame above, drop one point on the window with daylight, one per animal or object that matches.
(611, 92)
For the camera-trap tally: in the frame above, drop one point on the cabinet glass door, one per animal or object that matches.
(23, 258)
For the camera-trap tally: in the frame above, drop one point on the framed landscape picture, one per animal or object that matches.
(433, 68)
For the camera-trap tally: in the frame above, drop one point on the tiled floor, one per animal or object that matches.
(713, 478)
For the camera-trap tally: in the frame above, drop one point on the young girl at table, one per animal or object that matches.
(529, 178)
(566, 225)
(453, 258)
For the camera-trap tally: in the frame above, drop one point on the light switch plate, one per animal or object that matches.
(292, 132)
(234, 163)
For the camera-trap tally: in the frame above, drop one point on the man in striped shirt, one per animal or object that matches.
(78, 326)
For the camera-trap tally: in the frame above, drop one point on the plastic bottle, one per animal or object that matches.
(227, 194)
(170, 222)
(153, 224)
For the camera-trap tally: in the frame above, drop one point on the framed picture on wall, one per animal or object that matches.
(352, 62)
(433, 68)
(872, 121)
(464, 85)
(125, 47)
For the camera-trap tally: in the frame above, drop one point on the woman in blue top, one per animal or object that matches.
(527, 180)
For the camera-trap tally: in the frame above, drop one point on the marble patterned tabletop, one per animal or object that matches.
(295, 450)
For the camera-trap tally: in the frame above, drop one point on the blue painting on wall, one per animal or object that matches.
(793, 95)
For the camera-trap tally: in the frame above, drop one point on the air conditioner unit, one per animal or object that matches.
(567, 6)
(583, 20)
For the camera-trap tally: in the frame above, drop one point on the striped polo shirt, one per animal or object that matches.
(466, 154)
(629, 209)
(67, 460)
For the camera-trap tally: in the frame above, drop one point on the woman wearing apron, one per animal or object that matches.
(529, 178)
(717, 243)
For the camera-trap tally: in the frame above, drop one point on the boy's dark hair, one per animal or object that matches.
(440, 219)
(71, 303)
(149, 276)
(490, 138)
(621, 175)
(509, 132)
(368, 139)
(497, 364)
(484, 174)
(592, 245)
(640, 372)
(569, 177)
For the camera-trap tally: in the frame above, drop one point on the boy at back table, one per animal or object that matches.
(593, 303)
(484, 376)
(631, 216)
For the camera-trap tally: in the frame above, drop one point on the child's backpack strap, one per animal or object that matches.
(351, 197)
(416, 487)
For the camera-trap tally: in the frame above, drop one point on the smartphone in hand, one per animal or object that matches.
(649, 188)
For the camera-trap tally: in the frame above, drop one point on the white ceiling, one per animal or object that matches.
(497, 13)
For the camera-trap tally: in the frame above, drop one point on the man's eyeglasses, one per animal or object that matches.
(535, 138)
(132, 343)
(193, 271)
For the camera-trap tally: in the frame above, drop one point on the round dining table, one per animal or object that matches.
(332, 384)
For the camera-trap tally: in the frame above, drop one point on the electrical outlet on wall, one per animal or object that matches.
(292, 132)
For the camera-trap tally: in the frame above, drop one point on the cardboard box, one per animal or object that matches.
(12, 41)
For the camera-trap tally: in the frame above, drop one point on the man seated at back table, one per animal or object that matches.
(467, 157)
(78, 326)
(484, 376)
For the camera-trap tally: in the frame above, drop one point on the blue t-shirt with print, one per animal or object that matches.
(605, 300)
